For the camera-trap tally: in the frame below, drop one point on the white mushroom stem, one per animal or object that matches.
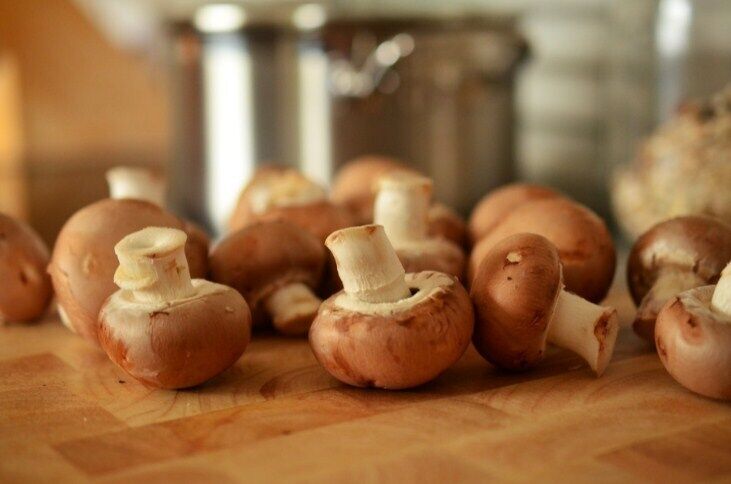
(290, 304)
(721, 300)
(367, 264)
(669, 283)
(136, 183)
(402, 207)
(152, 265)
(289, 188)
(586, 329)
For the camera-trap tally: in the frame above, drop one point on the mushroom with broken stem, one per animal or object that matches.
(275, 266)
(672, 257)
(164, 328)
(402, 208)
(693, 338)
(388, 329)
(520, 305)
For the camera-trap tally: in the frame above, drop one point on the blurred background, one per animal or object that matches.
(474, 93)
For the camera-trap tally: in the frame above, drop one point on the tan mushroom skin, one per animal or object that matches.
(83, 260)
(672, 257)
(520, 305)
(25, 288)
(275, 266)
(581, 237)
(402, 208)
(163, 328)
(388, 329)
(693, 338)
(497, 204)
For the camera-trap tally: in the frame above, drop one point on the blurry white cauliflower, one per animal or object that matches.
(683, 168)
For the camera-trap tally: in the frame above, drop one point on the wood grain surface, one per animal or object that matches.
(68, 414)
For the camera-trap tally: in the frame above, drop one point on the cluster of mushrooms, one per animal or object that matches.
(376, 274)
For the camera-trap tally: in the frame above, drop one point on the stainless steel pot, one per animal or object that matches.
(313, 92)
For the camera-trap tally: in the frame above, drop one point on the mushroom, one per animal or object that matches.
(163, 328)
(520, 305)
(355, 185)
(25, 290)
(672, 257)
(276, 193)
(495, 206)
(445, 223)
(83, 261)
(145, 184)
(693, 338)
(355, 188)
(402, 208)
(388, 329)
(581, 237)
(274, 265)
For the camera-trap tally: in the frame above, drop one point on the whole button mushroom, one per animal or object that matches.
(25, 288)
(285, 194)
(388, 329)
(402, 207)
(693, 338)
(355, 188)
(126, 182)
(672, 257)
(163, 328)
(83, 260)
(275, 266)
(581, 237)
(520, 305)
(494, 206)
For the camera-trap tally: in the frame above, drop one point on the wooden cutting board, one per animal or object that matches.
(68, 414)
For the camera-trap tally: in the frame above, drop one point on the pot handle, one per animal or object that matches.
(346, 80)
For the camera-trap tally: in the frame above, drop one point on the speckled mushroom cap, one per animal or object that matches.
(695, 243)
(694, 343)
(494, 206)
(261, 258)
(25, 287)
(180, 344)
(515, 292)
(583, 241)
(83, 261)
(354, 186)
(394, 345)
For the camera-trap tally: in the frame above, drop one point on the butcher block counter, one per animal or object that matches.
(68, 414)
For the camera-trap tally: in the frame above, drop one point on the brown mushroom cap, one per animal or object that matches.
(694, 343)
(394, 345)
(26, 287)
(181, 345)
(83, 261)
(691, 243)
(432, 255)
(355, 183)
(319, 218)
(197, 250)
(261, 258)
(269, 187)
(445, 223)
(494, 206)
(583, 241)
(514, 299)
